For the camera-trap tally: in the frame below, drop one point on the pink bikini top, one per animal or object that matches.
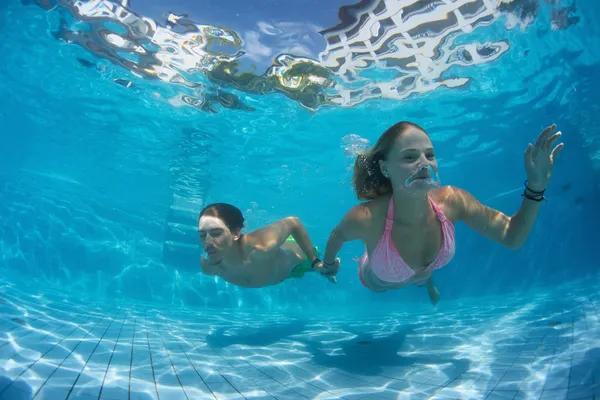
(386, 262)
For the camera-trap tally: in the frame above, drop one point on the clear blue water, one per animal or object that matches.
(104, 167)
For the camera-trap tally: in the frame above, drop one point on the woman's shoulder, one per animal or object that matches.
(448, 194)
(441, 194)
(359, 221)
(449, 199)
(370, 209)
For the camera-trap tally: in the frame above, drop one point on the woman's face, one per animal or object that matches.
(411, 162)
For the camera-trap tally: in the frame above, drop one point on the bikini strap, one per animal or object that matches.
(389, 219)
(438, 211)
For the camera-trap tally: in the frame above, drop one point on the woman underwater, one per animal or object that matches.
(407, 222)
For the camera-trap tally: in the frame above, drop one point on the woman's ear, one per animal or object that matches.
(383, 168)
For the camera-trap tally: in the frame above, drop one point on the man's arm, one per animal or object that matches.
(273, 236)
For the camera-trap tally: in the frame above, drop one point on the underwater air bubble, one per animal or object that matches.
(433, 179)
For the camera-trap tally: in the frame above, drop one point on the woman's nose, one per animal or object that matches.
(423, 162)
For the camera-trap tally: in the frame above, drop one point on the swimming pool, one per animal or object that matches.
(121, 121)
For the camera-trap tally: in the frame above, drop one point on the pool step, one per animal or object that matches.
(191, 174)
(182, 256)
(181, 247)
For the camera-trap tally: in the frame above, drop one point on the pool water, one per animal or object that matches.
(544, 346)
(121, 121)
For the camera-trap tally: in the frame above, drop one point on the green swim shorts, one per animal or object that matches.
(305, 266)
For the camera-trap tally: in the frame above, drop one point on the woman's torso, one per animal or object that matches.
(412, 252)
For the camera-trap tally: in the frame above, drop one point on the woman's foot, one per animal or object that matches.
(434, 294)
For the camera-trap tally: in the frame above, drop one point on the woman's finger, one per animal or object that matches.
(556, 151)
(550, 142)
(544, 135)
(528, 154)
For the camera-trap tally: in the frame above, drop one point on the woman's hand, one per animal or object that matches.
(328, 270)
(539, 160)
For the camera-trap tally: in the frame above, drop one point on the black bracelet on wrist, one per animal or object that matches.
(326, 263)
(533, 191)
(316, 261)
(537, 196)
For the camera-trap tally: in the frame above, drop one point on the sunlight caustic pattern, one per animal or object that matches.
(412, 39)
(55, 348)
(381, 49)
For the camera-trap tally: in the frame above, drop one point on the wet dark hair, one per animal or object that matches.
(368, 180)
(230, 215)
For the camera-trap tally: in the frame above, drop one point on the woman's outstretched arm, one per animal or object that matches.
(352, 227)
(513, 231)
